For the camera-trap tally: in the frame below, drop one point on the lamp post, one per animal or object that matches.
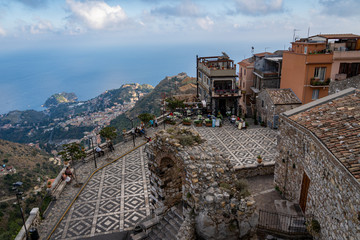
(132, 130)
(92, 146)
(18, 195)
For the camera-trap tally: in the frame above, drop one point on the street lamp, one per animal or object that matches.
(92, 146)
(132, 130)
(18, 195)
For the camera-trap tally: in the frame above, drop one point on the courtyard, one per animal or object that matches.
(116, 197)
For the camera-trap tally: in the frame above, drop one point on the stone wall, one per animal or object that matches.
(334, 194)
(208, 185)
(267, 112)
(336, 86)
(252, 170)
(32, 221)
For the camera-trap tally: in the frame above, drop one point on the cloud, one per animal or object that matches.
(34, 3)
(2, 32)
(258, 7)
(96, 14)
(342, 8)
(184, 9)
(205, 23)
(41, 26)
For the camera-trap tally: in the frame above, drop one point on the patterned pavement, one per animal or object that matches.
(117, 196)
(114, 200)
(242, 146)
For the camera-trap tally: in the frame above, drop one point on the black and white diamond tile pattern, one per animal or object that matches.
(108, 223)
(113, 200)
(242, 147)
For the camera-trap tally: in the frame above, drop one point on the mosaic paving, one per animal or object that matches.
(114, 200)
(242, 146)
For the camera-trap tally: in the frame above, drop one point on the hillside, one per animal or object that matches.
(29, 162)
(151, 103)
(57, 123)
(33, 169)
(59, 98)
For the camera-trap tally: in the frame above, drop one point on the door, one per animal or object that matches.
(304, 192)
(222, 107)
(276, 121)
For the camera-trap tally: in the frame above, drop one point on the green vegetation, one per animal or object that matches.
(59, 98)
(185, 136)
(173, 104)
(74, 152)
(109, 133)
(146, 117)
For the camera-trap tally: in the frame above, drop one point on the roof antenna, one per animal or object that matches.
(252, 50)
(295, 30)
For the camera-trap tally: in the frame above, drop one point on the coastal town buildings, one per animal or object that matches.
(318, 162)
(311, 63)
(216, 83)
(246, 68)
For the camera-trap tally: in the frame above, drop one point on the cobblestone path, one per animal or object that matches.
(114, 200)
(242, 146)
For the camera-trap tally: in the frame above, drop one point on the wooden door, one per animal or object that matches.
(304, 192)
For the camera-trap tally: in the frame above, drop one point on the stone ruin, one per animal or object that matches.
(186, 171)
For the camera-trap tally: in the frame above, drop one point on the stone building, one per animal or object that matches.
(319, 162)
(216, 83)
(271, 102)
(201, 181)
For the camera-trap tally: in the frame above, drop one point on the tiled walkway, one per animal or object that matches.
(117, 196)
(242, 146)
(114, 200)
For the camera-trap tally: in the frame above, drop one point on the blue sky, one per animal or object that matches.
(39, 23)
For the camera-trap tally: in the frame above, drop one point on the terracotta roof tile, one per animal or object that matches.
(337, 125)
(283, 96)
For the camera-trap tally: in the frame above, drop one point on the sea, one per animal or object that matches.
(29, 76)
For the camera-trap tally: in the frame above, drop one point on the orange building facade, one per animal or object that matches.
(313, 62)
(307, 74)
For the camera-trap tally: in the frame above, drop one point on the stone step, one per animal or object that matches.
(172, 231)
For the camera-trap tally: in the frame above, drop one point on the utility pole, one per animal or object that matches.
(197, 76)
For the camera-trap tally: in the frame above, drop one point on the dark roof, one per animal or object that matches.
(263, 54)
(338, 36)
(336, 123)
(283, 96)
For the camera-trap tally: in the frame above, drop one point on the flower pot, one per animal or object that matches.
(259, 160)
(198, 124)
(186, 123)
(208, 124)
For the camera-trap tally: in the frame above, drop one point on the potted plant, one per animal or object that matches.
(198, 122)
(208, 122)
(49, 184)
(259, 159)
(186, 121)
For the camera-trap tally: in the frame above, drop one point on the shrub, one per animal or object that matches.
(187, 119)
(208, 120)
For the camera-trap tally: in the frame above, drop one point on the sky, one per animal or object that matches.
(26, 24)
(89, 46)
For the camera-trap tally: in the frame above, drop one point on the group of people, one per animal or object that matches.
(67, 175)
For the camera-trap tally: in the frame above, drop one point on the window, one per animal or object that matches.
(262, 103)
(315, 94)
(320, 73)
(244, 71)
(350, 69)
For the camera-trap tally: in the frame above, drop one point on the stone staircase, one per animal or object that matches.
(164, 227)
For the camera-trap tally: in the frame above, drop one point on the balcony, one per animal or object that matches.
(315, 82)
(226, 93)
(217, 71)
(266, 74)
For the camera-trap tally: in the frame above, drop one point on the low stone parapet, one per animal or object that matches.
(252, 170)
(32, 221)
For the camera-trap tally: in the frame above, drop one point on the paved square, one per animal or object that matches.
(242, 146)
(115, 199)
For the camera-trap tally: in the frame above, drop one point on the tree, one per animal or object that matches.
(109, 133)
(74, 152)
(173, 103)
(146, 117)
